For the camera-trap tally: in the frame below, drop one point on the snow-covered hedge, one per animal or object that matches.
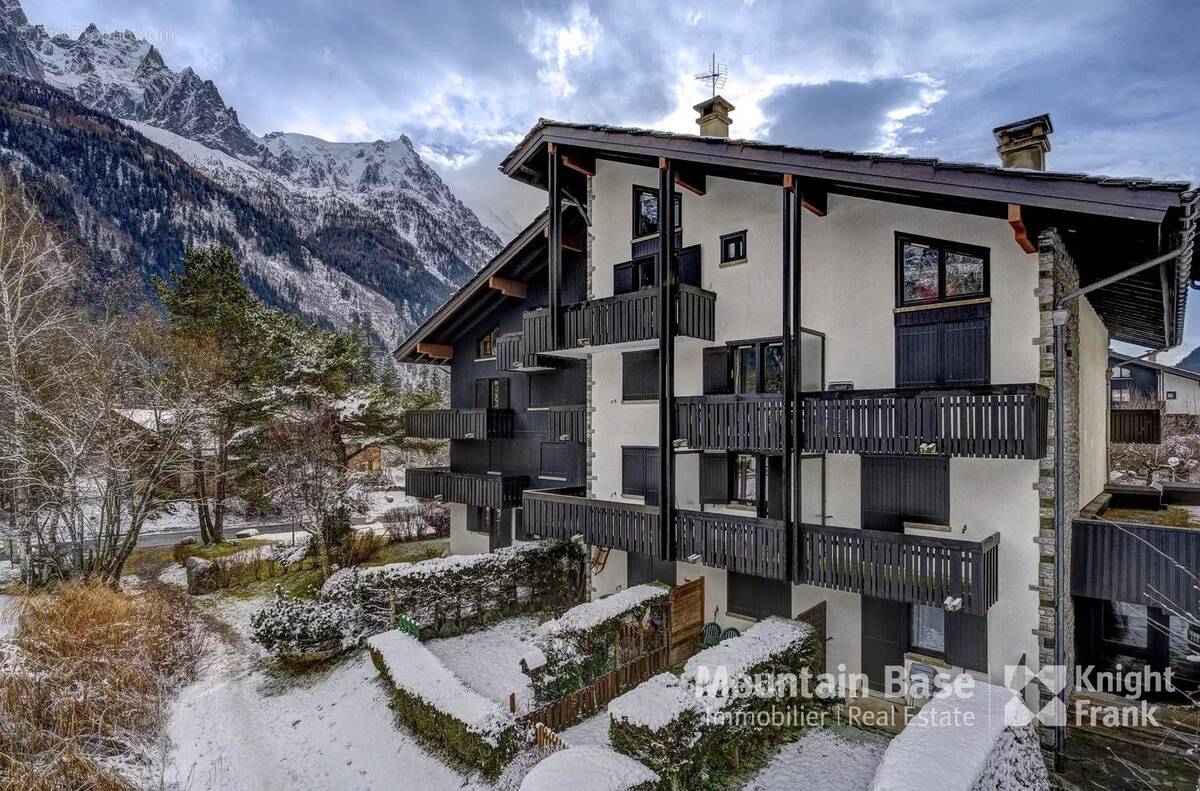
(581, 644)
(435, 704)
(589, 768)
(440, 595)
(961, 742)
(693, 730)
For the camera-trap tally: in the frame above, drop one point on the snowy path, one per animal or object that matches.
(838, 757)
(239, 728)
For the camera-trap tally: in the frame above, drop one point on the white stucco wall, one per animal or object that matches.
(463, 541)
(1093, 404)
(1187, 395)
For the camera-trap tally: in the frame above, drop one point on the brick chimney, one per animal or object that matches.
(1023, 144)
(714, 117)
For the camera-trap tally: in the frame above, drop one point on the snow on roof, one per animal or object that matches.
(948, 745)
(414, 669)
(589, 768)
(757, 644)
(655, 703)
(589, 615)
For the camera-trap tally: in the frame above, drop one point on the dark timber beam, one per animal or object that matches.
(789, 374)
(437, 351)
(554, 235)
(509, 288)
(815, 200)
(574, 240)
(665, 280)
(1020, 233)
(691, 179)
(580, 161)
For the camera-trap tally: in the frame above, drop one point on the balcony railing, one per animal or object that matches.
(567, 424)
(901, 567)
(459, 423)
(625, 318)
(566, 513)
(512, 354)
(743, 544)
(483, 491)
(752, 423)
(1136, 564)
(989, 421)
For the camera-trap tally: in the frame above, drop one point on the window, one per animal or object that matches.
(1121, 396)
(757, 367)
(491, 393)
(486, 348)
(733, 247)
(929, 270)
(744, 483)
(639, 375)
(645, 211)
(1170, 395)
(927, 630)
(1121, 372)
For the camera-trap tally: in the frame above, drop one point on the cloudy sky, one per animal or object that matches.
(465, 80)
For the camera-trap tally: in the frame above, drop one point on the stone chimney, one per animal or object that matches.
(714, 117)
(1024, 144)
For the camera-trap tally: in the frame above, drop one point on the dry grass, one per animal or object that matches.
(87, 686)
(1171, 516)
(358, 547)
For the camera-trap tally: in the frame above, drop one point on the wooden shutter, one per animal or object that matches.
(556, 459)
(639, 375)
(689, 265)
(716, 371)
(623, 278)
(714, 478)
(881, 498)
(918, 355)
(633, 462)
(500, 535)
(966, 641)
(519, 524)
(884, 638)
(650, 474)
(642, 569)
(741, 596)
(925, 490)
(944, 347)
(483, 393)
(966, 350)
(502, 397)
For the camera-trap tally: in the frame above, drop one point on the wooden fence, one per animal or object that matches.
(1135, 426)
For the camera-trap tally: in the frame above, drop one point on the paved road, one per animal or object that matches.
(166, 539)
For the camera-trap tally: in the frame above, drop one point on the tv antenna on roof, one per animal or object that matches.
(716, 75)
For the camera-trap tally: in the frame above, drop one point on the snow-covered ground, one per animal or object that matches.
(239, 726)
(592, 731)
(488, 661)
(839, 757)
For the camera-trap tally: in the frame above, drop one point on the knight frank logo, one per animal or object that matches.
(1051, 678)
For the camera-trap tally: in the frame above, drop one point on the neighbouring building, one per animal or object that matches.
(841, 391)
(1145, 382)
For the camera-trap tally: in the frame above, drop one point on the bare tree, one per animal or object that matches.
(1176, 458)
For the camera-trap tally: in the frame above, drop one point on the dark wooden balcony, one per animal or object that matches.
(484, 491)
(459, 423)
(745, 544)
(566, 513)
(566, 424)
(1135, 563)
(512, 354)
(900, 566)
(1135, 426)
(987, 421)
(624, 319)
(751, 423)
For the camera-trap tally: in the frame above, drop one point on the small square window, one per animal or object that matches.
(1120, 373)
(487, 344)
(1170, 395)
(928, 629)
(733, 247)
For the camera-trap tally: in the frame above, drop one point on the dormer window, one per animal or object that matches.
(645, 211)
(931, 270)
(486, 349)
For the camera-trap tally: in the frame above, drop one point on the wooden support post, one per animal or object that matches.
(554, 261)
(509, 288)
(788, 372)
(1020, 234)
(793, 430)
(438, 351)
(665, 280)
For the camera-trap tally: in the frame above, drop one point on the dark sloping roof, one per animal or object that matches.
(463, 299)
(1125, 359)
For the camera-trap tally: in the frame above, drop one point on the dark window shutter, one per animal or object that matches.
(741, 596)
(556, 459)
(503, 395)
(633, 461)
(884, 638)
(925, 490)
(483, 393)
(689, 265)
(714, 478)
(500, 535)
(623, 281)
(966, 346)
(775, 598)
(918, 355)
(966, 641)
(639, 375)
(716, 371)
(881, 498)
(650, 474)
(519, 524)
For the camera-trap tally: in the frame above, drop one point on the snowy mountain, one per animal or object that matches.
(373, 214)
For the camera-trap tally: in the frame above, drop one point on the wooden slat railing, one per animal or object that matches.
(1135, 426)
(510, 352)
(988, 421)
(1138, 564)
(565, 513)
(737, 543)
(900, 567)
(484, 491)
(752, 423)
(567, 424)
(459, 423)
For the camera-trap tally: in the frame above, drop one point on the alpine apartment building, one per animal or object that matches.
(806, 376)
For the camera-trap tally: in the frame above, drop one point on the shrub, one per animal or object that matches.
(414, 522)
(91, 672)
(359, 547)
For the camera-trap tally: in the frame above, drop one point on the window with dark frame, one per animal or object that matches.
(1170, 395)
(733, 247)
(932, 270)
(927, 630)
(1121, 396)
(486, 347)
(1121, 372)
(645, 211)
(491, 393)
(745, 473)
(757, 366)
(639, 472)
